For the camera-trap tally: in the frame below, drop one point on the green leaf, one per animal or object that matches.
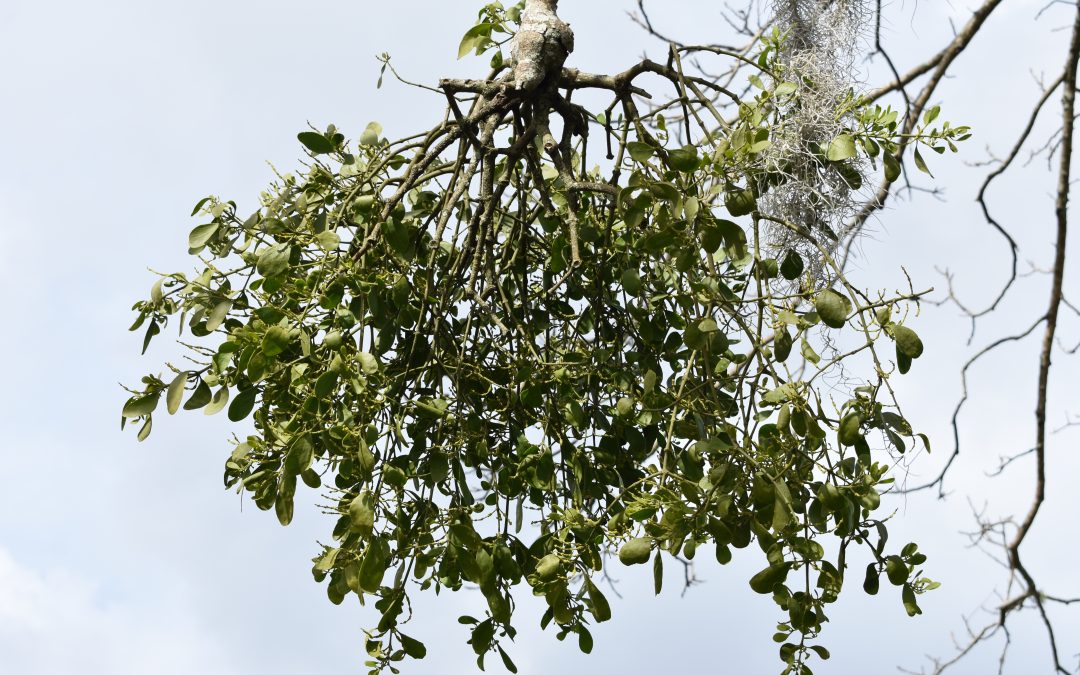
(684, 159)
(144, 432)
(325, 561)
(328, 240)
(650, 380)
(784, 89)
(759, 146)
(365, 458)
(362, 514)
(896, 570)
(833, 308)
(548, 567)
(782, 345)
(373, 568)
(691, 208)
(640, 152)
(475, 38)
(792, 267)
(311, 478)
(842, 147)
(636, 551)
(897, 422)
(175, 393)
(151, 330)
(507, 662)
(925, 439)
(283, 505)
(217, 315)
(892, 166)
(907, 342)
(201, 235)
(585, 640)
(666, 191)
(217, 402)
(740, 202)
(326, 384)
(910, 605)
(274, 260)
(139, 406)
(412, 647)
(368, 363)
(658, 573)
(784, 392)
(692, 337)
(316, 143)
(848, 432)
(370, 137)
(920, 163)
(299, 456)
(198, 207)
(242, 405)
(200, 397)
(872, 582)
(631, 282)
(276, 340)
(769, 578)
(903, 362)
(601, 610)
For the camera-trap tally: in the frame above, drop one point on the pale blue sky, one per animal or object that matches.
(122, 559)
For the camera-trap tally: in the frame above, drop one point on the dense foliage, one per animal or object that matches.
(503, 356)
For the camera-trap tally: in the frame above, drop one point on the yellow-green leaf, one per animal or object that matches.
(636, 551)
(175, 393)
(833, 308)
(842, 147)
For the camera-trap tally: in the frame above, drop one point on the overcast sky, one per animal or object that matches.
(118, 558)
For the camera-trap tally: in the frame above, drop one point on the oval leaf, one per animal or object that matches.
(841, 148)
(767, 579)
(273, 260)
(176, 393)
(200, 397)
(242, 405)
(848, 433)
(201, 235)
(636, 551)
(907, 342)
(141, 405)
(316, 143)
(833, 308)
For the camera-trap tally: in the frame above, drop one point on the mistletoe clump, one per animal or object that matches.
(505, 358)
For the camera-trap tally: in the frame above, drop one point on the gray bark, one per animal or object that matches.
(540, 46)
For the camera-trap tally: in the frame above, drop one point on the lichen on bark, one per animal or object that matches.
(541, 45)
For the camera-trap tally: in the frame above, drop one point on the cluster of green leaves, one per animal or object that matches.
(516, 380)
(495, 26)
(874, 133)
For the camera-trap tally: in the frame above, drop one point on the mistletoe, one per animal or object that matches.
(504, 356)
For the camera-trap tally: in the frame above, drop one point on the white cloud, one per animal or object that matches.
(55, 621)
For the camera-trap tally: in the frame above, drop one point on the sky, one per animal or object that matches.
(121, 558)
